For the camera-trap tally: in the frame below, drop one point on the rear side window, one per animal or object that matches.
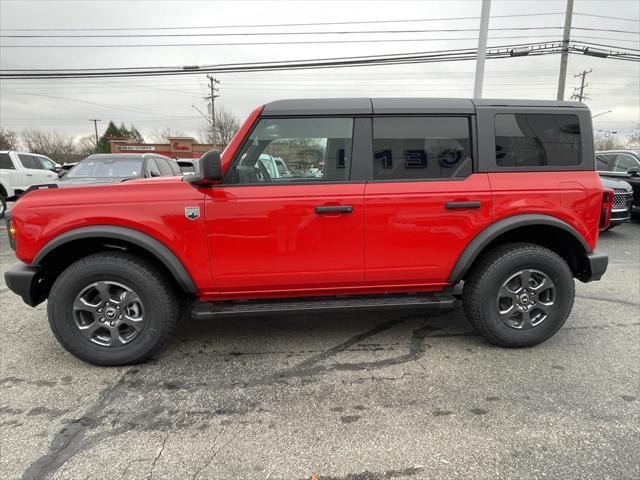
(414, 148)
(30, 161)
(5, 162)
(537, 140)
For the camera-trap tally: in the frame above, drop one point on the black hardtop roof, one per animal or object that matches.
(399, 105)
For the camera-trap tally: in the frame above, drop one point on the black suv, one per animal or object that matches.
(622, 165)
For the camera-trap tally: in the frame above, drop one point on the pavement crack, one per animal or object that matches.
(312, 367)
(68, 441)
(158, 455)
(610, 300)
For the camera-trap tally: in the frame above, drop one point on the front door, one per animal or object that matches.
(424, 203)
(35, 171)
(287, 218)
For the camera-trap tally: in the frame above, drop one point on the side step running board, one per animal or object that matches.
(208, 310)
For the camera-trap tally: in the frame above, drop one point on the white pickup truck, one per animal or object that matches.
(19, 171)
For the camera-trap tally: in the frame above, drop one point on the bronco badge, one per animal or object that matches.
(192, 212)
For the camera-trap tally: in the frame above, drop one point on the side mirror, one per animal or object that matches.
(633, 171)
(210, 171)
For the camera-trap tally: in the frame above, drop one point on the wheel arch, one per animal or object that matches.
(544, 230)
(72, 245)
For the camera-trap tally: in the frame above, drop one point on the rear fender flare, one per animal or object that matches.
(486, 236)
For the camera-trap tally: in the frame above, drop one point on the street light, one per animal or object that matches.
(608, 111)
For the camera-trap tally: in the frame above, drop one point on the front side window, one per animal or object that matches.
(537, 140)
(47, 164)
(151, 169)
(421, 148)
(603, 162)
(624, 162)
(164, 167)
(290, 150)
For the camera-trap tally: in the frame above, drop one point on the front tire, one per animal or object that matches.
(519, 295)
(112, 308)
(3, 206)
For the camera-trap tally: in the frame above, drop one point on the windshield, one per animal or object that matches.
(106, 168)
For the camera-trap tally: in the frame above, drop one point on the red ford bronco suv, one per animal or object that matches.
(360, 203)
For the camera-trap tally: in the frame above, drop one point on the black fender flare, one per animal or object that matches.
(156, 248)
(493, 231)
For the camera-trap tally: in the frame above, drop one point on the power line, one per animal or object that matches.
(284, 42)
(346, 22)
(607, 16)
(334, 32)
(505, 51)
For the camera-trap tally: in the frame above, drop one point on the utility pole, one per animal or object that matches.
(564, 56)
(578, 93)
(212, 98)
(482, 48)
(95, 126)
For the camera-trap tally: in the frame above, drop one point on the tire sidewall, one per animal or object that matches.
(74, 280)
(556, 270)
(3, 206)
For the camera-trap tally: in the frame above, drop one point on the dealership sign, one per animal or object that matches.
(136, 147)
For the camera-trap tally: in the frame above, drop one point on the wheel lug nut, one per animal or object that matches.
(113, 324)
(102, 320)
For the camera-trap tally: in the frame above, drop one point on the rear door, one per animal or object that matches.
(12, 177)
(424, 203)
(302, 233)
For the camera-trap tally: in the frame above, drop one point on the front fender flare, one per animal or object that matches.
(156, 248)
(486, 236)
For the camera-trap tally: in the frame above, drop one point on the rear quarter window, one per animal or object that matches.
(5, 162)
(537, 140)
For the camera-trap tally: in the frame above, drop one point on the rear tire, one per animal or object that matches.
(518, 295)
(112, 308)
(3, 206)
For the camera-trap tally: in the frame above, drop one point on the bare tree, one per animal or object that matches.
(57, 146)
(226, 125)
(162, 136)
(602, 141)
(86, 146)
(633, 141)
(8, 139)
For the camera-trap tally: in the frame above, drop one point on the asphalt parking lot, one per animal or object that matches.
(342, 396)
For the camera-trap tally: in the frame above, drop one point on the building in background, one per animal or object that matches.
(178, 147)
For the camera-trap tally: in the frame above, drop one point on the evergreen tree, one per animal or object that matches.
(112, 131)
(103, 143)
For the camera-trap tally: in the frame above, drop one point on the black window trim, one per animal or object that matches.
(229, 179)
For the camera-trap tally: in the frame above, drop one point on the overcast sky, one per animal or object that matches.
(157, 102)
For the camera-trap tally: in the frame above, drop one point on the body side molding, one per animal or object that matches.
(480, 241)
(142, 240)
